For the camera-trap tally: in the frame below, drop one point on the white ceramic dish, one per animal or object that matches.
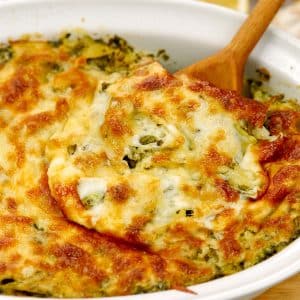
(188, 30)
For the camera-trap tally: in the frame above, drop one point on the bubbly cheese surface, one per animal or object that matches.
(118, 178)
(158, 165)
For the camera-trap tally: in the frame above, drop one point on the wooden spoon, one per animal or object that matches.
(226, 68)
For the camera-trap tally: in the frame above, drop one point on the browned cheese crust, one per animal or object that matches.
(118, 178)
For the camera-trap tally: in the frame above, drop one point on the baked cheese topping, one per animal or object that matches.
(118, 178)
(157, 165)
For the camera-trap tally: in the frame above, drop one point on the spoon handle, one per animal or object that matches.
(253, 28)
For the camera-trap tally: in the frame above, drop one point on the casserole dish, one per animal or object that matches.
(49, 18)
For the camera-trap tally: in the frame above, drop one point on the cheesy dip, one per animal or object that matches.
(118, 178)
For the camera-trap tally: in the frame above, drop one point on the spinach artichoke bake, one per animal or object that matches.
(118, 178)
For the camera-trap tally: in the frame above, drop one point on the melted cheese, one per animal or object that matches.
(172, 181)
(208, 128)
(99, 108)
(88, 186)
(247, 177)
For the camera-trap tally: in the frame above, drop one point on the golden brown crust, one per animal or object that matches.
(185, 189)
(247, 109)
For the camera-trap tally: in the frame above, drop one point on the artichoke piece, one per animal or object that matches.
(148, 139)
(92, 200)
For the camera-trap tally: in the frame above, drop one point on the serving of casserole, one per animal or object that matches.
(118, 178)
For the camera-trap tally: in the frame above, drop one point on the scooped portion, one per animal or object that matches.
(152, 152)
(182, 169)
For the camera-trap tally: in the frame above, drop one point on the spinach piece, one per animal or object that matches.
(160, 286)
(189, 212)
(263, 74)
(6, 53)
(148, 139)
(37, 227)
(6, 281)
(131, 162)
(103, 63)
(56, 43)
(31, 294)
(72, 149)
(297, 224)
(119, 43)
(162, 53)
(92, 200)
(104, 86)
